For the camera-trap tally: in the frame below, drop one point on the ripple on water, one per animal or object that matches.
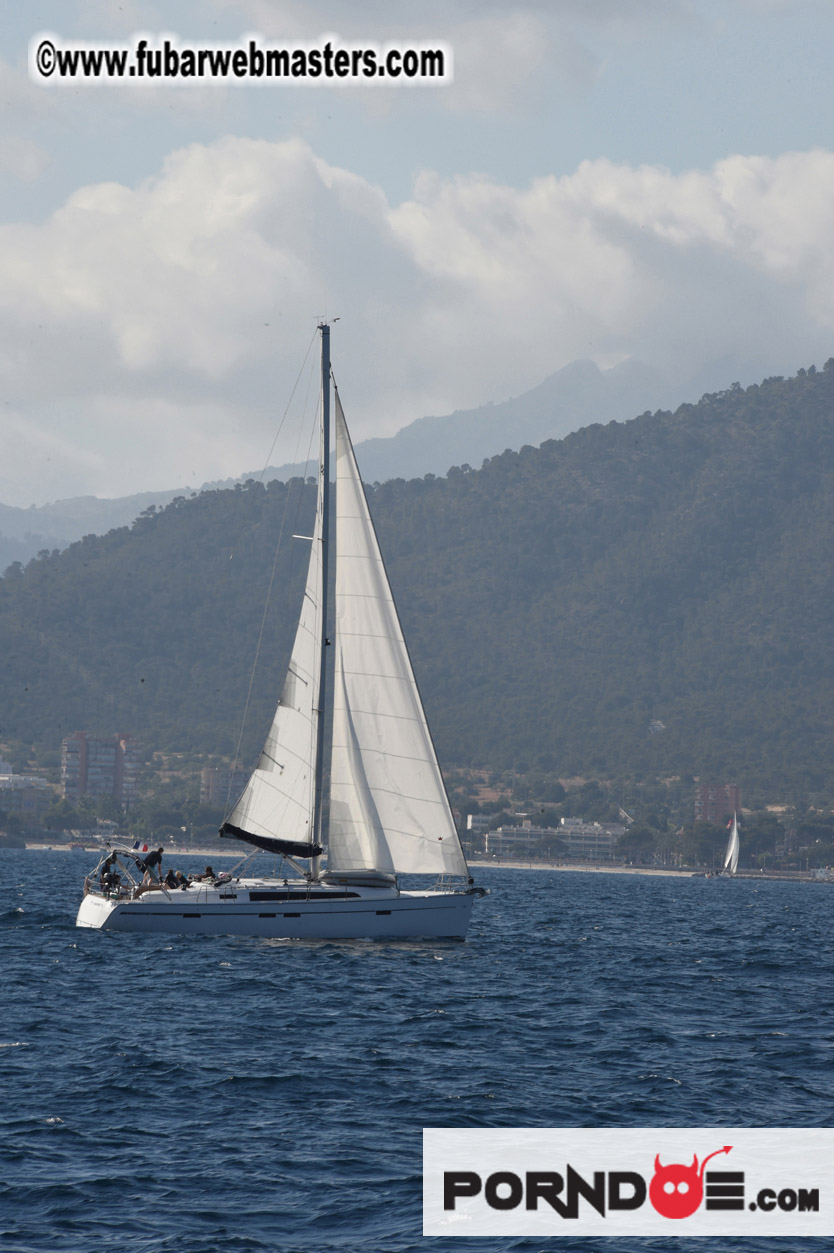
(216, 1094)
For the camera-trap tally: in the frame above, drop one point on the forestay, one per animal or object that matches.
(388, 806)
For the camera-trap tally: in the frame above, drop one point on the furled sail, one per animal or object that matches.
(388, 806)
(731, 858)
(278, 799)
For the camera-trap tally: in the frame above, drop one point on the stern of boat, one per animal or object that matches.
(94, 911)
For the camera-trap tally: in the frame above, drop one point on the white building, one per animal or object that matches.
(477, 824)
(523, 841)
(593, 840)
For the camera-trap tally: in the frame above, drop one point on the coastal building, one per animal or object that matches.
(477, 824)
(593, 840)
(24, 794)
(522, 841)
(99, 766)
(574, 836)
(716, 802)
(221, 786)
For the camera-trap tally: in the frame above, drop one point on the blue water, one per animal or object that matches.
(205, 1094)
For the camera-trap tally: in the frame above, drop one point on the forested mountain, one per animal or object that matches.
(25, 532)
(643, 598)
(572, 397)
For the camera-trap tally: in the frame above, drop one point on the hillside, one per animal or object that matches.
(572, 397)
(641, 598)
(26, 532)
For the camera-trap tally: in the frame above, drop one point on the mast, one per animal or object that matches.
(318, 807)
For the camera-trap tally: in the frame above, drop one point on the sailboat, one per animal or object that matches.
(372, 799)
(731, 856)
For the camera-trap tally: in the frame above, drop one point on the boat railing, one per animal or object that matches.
(456, 883)
(114, 879)
(115, 892)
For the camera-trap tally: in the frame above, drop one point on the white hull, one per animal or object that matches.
(371, 913)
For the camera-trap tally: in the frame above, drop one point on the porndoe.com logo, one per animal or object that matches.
(614, 1181)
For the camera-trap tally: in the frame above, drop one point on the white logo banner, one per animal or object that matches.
(702, 1181)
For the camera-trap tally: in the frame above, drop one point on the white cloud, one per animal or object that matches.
(182, 306)
(171, 273)
(596, 262)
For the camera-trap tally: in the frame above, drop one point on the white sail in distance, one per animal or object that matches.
(388, 806)
(731, 858)
(278, 799)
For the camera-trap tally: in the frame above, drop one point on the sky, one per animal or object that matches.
(603, 179)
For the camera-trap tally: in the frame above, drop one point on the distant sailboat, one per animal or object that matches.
(731, 856)
(379, 811)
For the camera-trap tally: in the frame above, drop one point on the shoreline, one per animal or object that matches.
(589, 869)
(177, 854)
(39, 847)
(800, 876)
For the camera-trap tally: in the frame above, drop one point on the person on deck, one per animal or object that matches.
(153, 866)
(110, 878)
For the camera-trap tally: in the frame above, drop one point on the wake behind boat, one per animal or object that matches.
(384, 811)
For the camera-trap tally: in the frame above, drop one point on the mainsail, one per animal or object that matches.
(388, 806)
(731, 858)
(278, 799)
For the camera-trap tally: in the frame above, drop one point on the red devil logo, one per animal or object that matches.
(676, 1191)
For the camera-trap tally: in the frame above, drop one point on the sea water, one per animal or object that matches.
(211, 1094)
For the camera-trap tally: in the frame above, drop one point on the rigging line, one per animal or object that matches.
(235, 760)
(287, 408)
(313, 430)
(265, 466)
